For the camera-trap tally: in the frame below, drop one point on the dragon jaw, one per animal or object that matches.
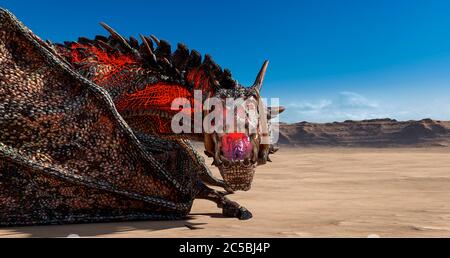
(237, 159)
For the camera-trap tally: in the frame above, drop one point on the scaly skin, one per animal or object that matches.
(85, 129)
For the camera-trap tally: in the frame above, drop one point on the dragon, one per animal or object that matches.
(85, 130)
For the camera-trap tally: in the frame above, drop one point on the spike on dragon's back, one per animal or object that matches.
(115, 53)
(141, 81)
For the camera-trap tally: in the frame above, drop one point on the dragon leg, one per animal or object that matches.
(229, 208)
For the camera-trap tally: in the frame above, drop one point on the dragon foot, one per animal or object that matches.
(229, 208)
(234, 210)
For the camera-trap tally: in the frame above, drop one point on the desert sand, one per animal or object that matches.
(314, 192)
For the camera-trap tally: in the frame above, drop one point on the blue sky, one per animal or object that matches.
(330, 60)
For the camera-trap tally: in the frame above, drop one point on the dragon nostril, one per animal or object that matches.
(238, 153)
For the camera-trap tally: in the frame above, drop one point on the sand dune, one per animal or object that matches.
(314, 192)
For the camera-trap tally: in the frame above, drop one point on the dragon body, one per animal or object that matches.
(85, 130)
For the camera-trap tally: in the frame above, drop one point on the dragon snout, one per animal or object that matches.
(234, 155)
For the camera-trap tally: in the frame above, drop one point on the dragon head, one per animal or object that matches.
(243, 140)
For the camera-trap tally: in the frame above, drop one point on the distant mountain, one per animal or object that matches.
(367, 133)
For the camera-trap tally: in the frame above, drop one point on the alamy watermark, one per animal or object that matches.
(224, 116)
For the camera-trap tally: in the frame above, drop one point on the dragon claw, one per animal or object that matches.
(234, 210)
(228, 190)
(244, 214)
(224, 193)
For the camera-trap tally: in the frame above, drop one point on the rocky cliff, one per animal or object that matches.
(367, 133)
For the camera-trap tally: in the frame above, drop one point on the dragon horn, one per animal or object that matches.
(145, 41)
(273, 112)
(155, 39)
(116, 36)
(260, 78)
